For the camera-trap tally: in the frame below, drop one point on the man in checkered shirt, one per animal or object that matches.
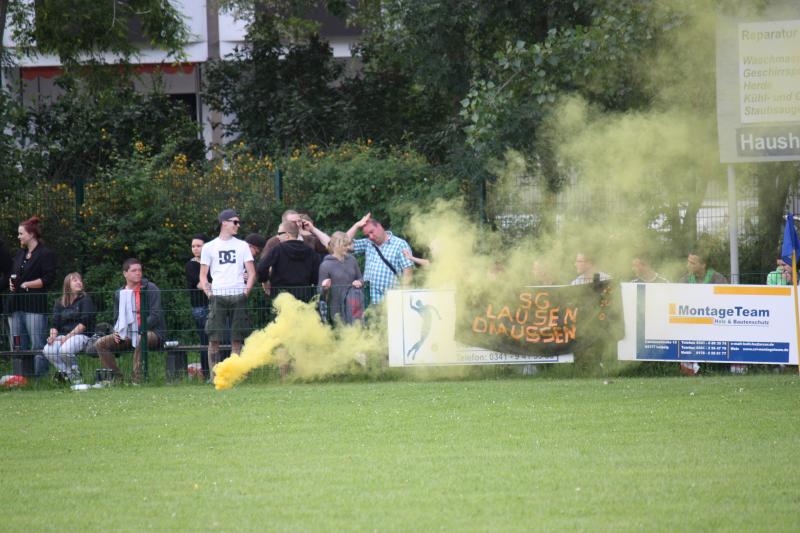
(379, 274)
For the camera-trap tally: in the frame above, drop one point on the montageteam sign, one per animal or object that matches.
(708, 323)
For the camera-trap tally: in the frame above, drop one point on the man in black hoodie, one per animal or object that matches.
(291, 266)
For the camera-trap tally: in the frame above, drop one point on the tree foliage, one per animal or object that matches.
(592, 52)
(278, 98)
(77, 135)
(458, 82)
(81, 31)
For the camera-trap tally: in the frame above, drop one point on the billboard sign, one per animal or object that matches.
(423, 328)
(708, 323)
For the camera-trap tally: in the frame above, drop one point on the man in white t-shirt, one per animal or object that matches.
(226, 258)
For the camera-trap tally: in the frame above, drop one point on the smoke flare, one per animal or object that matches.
(298, 337)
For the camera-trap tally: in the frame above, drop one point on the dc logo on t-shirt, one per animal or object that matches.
(227, 256)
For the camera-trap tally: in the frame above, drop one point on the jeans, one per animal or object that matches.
(200, 315)
(31, 328)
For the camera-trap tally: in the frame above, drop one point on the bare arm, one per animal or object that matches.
(251, 276)
(358, 225)
(418, 260)
(204, 280)
(323, 237)
(406, 278)
(32, 284)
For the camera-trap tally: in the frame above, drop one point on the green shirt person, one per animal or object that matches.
(781, 275)
(699, 272)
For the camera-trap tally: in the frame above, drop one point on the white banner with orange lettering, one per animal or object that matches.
(708, 323)
(422, 332)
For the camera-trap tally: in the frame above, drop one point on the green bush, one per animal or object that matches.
(340, 185)
(148, 206)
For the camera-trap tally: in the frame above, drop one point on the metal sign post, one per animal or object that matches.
(758, 104)
(733, 224)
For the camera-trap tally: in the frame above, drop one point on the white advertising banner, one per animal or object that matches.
(708, 323)
(422, 332)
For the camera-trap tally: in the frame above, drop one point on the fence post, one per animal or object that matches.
(278, 185)
(143, 333)
(80, 196)
(482, 205)
(733, 224)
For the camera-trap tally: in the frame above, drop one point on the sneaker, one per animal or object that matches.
(61, 378)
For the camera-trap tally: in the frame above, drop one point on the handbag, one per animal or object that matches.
(90, 348)
(101, 330)
(353, 308)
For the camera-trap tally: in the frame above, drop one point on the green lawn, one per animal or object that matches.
(671, 454)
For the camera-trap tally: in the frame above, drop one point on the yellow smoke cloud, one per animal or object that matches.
(632, 181)
(635, 174)
(298, 337)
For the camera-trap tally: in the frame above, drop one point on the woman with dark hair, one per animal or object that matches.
(73, 316)
(32, 274)
(197, 298)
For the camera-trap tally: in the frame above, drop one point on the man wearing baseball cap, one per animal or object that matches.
(226, 258)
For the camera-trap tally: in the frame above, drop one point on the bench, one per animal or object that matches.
(175, 364)
(21, 361)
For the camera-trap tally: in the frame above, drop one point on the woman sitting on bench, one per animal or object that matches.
(73, 316)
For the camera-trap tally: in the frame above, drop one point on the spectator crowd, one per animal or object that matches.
(300, 259)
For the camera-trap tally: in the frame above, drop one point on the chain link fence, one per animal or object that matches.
(182, 329)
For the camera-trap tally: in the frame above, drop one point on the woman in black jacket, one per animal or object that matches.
(32, 274)
(73, 318)
(197, 298)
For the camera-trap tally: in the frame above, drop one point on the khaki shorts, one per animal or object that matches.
(223, 310)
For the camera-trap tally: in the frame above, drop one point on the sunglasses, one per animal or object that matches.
(235, 222)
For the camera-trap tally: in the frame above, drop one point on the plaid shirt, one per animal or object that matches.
(379, 275)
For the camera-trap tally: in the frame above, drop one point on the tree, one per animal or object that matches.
(279, 97)
(80, 31)
(55, 148)
(591, 51)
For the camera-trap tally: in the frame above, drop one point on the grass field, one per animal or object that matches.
(670, 454)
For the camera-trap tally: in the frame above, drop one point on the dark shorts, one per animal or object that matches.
(222, 309)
